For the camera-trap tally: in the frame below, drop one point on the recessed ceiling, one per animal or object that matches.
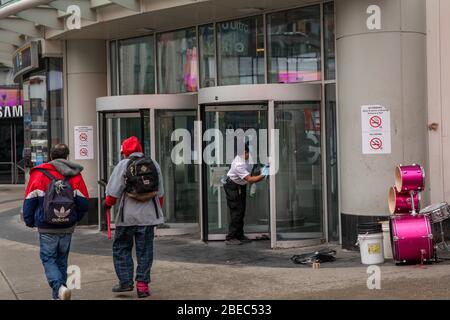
(178, 17)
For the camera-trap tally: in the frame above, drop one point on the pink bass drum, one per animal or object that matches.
(400, 202)
(409, 178)
(411, 238)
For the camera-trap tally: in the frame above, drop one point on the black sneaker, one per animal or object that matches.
(122, 288)
(244, 239)
(234, 242)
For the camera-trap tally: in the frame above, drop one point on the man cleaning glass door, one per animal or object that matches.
(238, 177)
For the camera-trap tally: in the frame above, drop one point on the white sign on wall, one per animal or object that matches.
(84, 142)
(376, 129)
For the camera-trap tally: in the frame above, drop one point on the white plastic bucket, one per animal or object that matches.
(387, 246)
(371, 248)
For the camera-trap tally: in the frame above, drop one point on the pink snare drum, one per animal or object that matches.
(412, 238)
(409, 178)
(400, 202)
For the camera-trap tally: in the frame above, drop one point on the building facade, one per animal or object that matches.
(311, 70)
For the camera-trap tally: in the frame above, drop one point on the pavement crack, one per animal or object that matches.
(9, 284)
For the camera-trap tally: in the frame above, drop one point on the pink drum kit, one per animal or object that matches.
(411, 228)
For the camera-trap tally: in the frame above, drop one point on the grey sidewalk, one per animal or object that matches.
(186, 268)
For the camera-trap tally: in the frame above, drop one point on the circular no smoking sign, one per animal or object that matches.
(376, 144)
(375, 122)
(83, 152)
(83, 136)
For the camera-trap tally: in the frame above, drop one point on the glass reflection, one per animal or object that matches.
(332, 162)
(329, 45)
(294, 45)
(207, 56)
(136, 66)
(241, 51)
(257, 207)
(299, 178)
(180, 180)
(177, 61)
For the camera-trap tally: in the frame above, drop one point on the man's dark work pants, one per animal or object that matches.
(236, 197)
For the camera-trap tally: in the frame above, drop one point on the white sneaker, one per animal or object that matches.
(64, 293)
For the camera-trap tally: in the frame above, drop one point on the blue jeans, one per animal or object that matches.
(122, 253)
(54, 255)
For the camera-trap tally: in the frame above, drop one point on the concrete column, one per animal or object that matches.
(86, 80)
(385, 66)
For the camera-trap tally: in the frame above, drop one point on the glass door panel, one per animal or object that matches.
(299, 209)
(19, 169)
(6, 157)
(181, 203)
(257, 207)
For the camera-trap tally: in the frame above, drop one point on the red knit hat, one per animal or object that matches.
(130, 146)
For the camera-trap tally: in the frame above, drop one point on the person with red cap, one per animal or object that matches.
(135, 221)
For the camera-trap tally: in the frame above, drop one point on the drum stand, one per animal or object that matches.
(413, 212)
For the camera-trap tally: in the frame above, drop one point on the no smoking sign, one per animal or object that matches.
(375, 122)
(84, 142)
(376, 144)
(83, 136)
(376, 129)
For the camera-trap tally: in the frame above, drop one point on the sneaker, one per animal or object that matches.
(233, 242)
(122, 288)
(244, 239)
(142, 290)
(64, 293)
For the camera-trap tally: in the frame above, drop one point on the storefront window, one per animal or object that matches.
(294, 45)
(241, 51)
(329, 45)
(136, 66)
(11, 135)
(207, 56)
(177, 61)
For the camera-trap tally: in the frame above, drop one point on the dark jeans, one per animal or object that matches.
(236, 200)
(122, 253)
(54, 254)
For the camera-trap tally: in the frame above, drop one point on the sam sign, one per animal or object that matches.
(376, 129)
(84, 142)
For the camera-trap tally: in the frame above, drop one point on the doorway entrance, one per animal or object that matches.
(155, 120)
(116, 127)
(289, 207)
(11, 156)
(223, 118)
